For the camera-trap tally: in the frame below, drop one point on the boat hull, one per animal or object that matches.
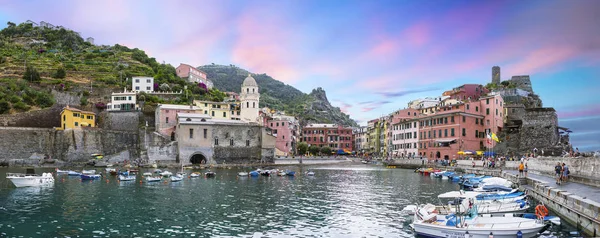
(31, 181)
(90, 177)
(428, 230)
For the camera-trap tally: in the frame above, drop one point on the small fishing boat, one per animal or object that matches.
(176, 178)
(166, 174)
(243, 174)
(195, 175)
(93, 171)
(133, 171)
(210, 174)
(58, 171)
(73, 173)
(290, 173)
(310, 173)
(281, 173)
(157, 171)
(364, 162)
(126, 178)
(153, 179)
(90, 176)
(147, 174)
(111, 171)
(265, 173)
(254, 173)
(30, 179)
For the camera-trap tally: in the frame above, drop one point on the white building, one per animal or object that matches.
(125, 101)
(142, 84)
(426, 102)
(249, 98)
(361, 139)
(405, 134)
(90, 40)
(34, 24)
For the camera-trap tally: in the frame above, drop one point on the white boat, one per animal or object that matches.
(166, 174)
(364, 162)
(30, 180)
(468, 200)
(470, 194)
(73, 173)
(243, 174)
(444, 177)
(430, 224)
(93, 171)
(58, 171)
(195, 175)
(153, 179)
(181, 174)
(281, 173)
(310, 173)
(147, 174)
(126, 178)
(108, 170)
(176, 178)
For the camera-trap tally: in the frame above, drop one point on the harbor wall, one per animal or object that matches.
(30, 146)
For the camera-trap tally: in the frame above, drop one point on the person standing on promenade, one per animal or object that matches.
(566, 172)
(558, 171)
(521, 168)
(525, 169)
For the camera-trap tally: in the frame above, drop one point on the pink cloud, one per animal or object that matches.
(418, 34)
(591, 110)
(542, 59)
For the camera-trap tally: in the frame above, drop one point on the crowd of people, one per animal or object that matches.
(562, 173)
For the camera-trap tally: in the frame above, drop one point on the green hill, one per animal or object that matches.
(309, 108)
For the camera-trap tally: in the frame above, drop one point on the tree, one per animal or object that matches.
(60, 73)
(325, 150)
(31, 74)
(83, 101)
(4, 106)
(44, 100)
(302, 148)
(313, 149)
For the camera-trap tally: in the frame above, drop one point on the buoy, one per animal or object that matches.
(519, 234)
(491, 235)
(107, 181)
(467, 235)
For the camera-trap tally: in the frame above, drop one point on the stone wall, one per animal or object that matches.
(157, 148)
(120, 121)
(539, 129)
(29, 144)
(51, 118)
(63, 98)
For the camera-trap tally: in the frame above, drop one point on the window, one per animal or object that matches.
(147, 80)
(231, 142)
(467, 106)
(464, 132)
(476, 121)
(487, 101)
(476, 133)
(452, 119)
(487, 111)
(205, 112)
(205, 132)
(496, 111)
(445, 132)
(191, 133)
(148, 88)
(247, 90)
(451, 131)
(64, 117)
(212, 113)
(216, 141)
(252, 90)
(283, 124)
(476, 108)
(247, 142)
(464, 119)
(253, 105)
(415, 135)
(76, 123)
(224, 114)
(445, 120)
(440, 132)
(247, 105)
(277, 123)
(429, 134)
(137, 87)
(137, 80)
(129, 98)
(167, 119)
(271, 124)
(283, 137)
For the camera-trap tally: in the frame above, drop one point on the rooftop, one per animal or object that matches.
(177, 107)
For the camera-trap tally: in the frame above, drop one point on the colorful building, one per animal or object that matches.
(125, 101)
(373, 131)
(250, 98)
(285, 129)
(193, 75)
(361, 140)
(142, 84)
(405, 130)
(73, 118)
(466, 92)
(165, 117)
(217, 110)
(334, 136)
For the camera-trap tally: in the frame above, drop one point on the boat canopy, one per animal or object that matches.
(459, 194)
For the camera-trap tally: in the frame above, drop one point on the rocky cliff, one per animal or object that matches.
(318, 110)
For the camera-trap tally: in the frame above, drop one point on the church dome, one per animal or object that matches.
(249, 82)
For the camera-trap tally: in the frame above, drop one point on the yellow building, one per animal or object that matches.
(217, 110)
(71, 118)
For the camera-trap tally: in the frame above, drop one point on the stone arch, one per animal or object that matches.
(198, 158)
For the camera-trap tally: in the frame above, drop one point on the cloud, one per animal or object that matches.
(587, 111)
(405, 92)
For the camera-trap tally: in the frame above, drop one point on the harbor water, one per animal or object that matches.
(339, 201)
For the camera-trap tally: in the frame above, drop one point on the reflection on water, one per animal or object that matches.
(354, 201)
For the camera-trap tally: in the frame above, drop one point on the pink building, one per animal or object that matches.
(459, 127)
(285, 129)
(193, 75)
(165, 117)
(466, 91)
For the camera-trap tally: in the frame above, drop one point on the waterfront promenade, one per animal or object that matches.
(582, 190)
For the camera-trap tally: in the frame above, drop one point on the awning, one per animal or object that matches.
(479, 152)
(445, 140)
(85, 124)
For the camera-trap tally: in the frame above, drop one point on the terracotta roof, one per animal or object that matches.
(76, 110)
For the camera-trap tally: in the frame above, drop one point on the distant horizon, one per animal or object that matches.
(370, 57)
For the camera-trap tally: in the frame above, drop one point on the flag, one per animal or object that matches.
(489, 139)
(494, 137)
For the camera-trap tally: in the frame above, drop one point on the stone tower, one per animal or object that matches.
(496, 74)
(249, 98)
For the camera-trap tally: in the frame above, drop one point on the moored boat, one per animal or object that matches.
(254, 173)
(90, 176)
(243, 174)
(30, 179)
(195, 175)
(176, 178)
(126, 178)
(290, 173)
(153, 179)
(73, 173)
(58, 171)
(166, 174)
(281, 173)
(147, 174)
(210, 174)
(92, 171)
(310, 173)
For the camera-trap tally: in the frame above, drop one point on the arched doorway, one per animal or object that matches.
(198, 159)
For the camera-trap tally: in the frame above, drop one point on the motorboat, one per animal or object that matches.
(243, 174)
(254, 173)
(265, 173)
(92, 171)
(133, 171)
(147, 174)
(30, 179)
(462, 202)
(176, 178)
(90, 176)
(166, 174)
(364, 162)
(430, 224)
(58, 171)
(282, 173)
(153, 179)
(157, 171)
(210, 174)
(111, 171)
(181, 174)
(290, 173)
(73, 173)
(195, 175)
(310, 173)
(126, 178)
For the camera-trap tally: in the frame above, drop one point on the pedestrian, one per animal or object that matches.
(565, 173)
(525, 169)
(521, 168)
(558, 170)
